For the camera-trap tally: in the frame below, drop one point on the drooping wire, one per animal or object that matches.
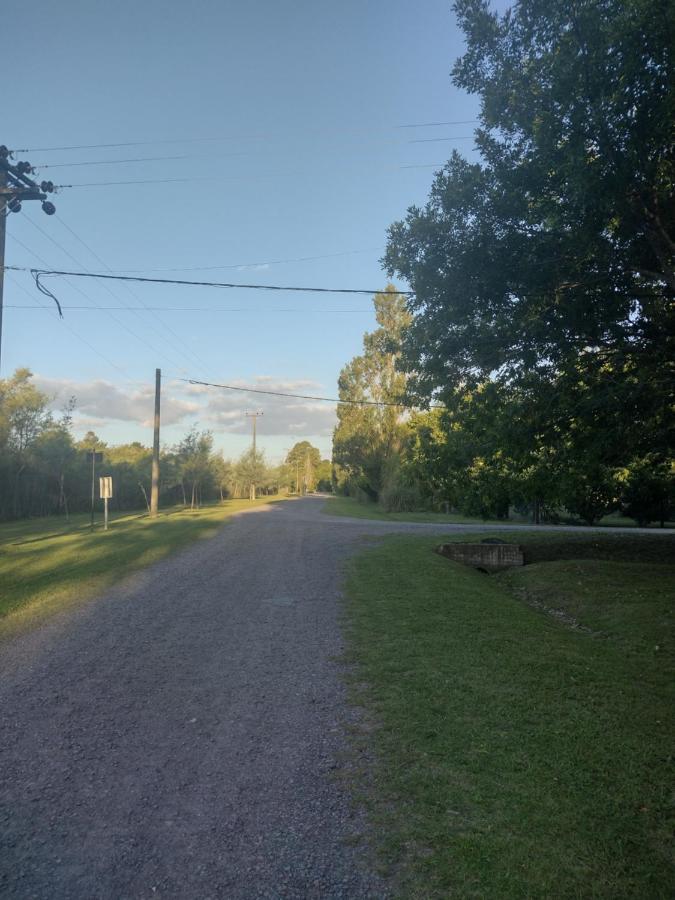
(124, 326)
(75, 334)
(175, 343)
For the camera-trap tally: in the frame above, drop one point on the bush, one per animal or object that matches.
(400, 498)
(648, 491)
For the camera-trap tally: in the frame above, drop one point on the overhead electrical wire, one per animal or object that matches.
(43, 273)
(217, 309)
(211, 139)
(75, 334)
(106, 162)
(247, 390)
(251, 265)
(176, 344)
(48, 293)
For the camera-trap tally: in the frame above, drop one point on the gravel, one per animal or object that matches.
(181, 735)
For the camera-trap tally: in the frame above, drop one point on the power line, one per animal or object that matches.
(71, 330)
(106, 162)
(222, 309)
(189, 356)
(114, 318)
(468, 137)
(246, 390)
(42, 273)
(215, 139)
(251, 265)
(211, 178)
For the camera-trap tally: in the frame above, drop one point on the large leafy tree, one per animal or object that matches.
(548, 267)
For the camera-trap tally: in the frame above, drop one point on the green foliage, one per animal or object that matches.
(301, 467)
(544, 276)
(648, 491)
(368, 438)
(43, 470)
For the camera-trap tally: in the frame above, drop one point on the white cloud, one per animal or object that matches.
(101, 402)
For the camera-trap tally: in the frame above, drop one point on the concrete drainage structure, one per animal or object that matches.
(490, 557)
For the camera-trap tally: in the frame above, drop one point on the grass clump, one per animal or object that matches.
(517, 756)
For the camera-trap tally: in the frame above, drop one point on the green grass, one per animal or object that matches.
(518, 756)
(47, 565)
(348, 506)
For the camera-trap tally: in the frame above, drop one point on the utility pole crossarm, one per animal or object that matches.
(15, 187)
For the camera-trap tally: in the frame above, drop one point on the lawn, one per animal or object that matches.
(47, 565)
(348, 506)
(522, 722)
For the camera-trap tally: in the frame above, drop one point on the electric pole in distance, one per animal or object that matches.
(15, 187)
(254, 417)
(154, 490)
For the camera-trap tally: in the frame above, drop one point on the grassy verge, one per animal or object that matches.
(519, 756)
(348, 506)
(47, 565)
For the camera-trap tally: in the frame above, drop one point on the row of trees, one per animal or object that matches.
(542, 321)
(484, 455)
(45, 470)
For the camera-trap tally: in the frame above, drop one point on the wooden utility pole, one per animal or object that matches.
(154, 491)
(254, 417)
(15, 187)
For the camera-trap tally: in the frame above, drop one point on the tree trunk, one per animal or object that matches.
(182, 487)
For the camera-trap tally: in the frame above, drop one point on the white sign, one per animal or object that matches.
(105, 487)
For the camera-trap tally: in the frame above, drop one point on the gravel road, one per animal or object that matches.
(180, 736)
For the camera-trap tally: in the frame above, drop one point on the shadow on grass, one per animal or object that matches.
(54, 571)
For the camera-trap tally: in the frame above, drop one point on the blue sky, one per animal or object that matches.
(287, 120)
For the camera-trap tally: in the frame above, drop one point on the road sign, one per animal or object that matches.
(105, 491)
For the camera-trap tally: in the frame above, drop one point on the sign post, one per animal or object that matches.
(105, 492)
(95, 457)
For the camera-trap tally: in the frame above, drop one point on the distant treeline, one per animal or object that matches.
(44, 470)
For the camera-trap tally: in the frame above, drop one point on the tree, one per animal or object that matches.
(547, 268)
(367, 439)
(324, 476)
(250, 469)
(194, 460)
(303, 461)
(24, 416)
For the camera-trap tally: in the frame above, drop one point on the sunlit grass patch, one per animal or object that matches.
(48, 564)
(517, 755)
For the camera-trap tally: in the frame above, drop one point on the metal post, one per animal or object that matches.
(154, 492)
(105, 514)
(93, 473)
